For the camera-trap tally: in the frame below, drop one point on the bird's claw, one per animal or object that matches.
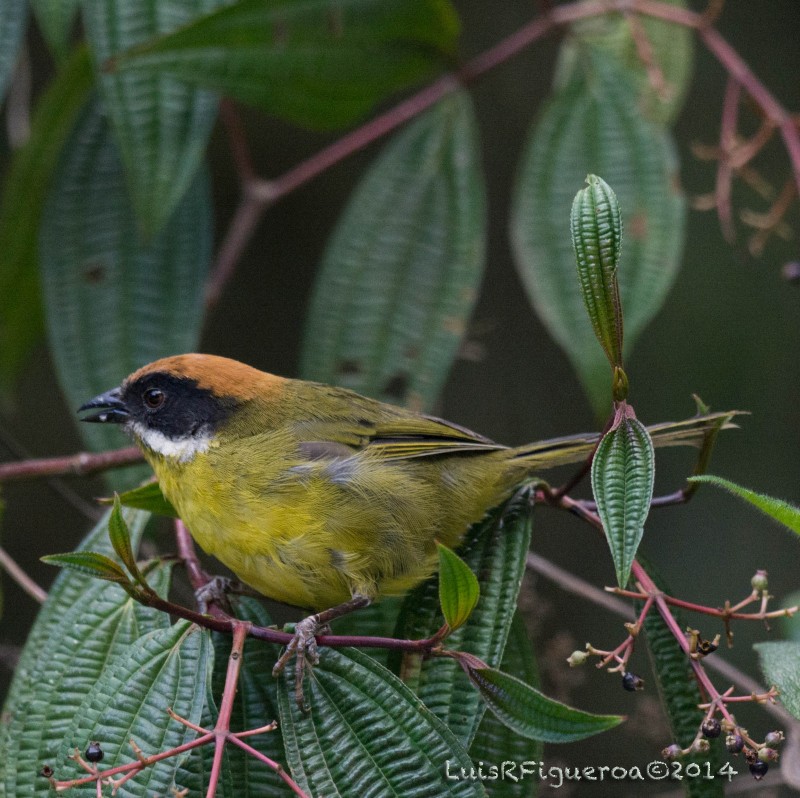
(303, 646)
(216, 591)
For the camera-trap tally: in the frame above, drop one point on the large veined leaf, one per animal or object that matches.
(672, 57)
(13, 19)
(679, 692)
(780, 661)
(316, 62)
(114, 303)
(367, 734)
(161, 124)
(401, 275)
(166, 668)
(82, 626)
(495, 549)
(496, 744)
(56, 18)
(593, 125)
(26, 184)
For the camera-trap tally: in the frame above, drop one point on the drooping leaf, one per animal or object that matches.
(26, 184)
(89, 562)
(114, 303)
(146, 497)
(593, 126)
(13, 21)
(165, 668)
(780, 661)
(82, 626)
(367, 734)
(679, 692)
(532, 714)
(596, 226)
(458, 588)
(778, 509)
(623, 471)
(401, 274)
(495, 549)
(672, 57)
(56, 18)
(161, 124)
(315, 62)
(496, 744)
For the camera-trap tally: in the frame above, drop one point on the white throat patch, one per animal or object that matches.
(182, 450)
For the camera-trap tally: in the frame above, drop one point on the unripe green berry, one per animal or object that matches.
(759, 581)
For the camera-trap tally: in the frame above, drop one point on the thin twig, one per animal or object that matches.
(8, 564)
(727, 141)
(81, 464)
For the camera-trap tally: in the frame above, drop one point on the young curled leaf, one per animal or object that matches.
(596, 225)
(146, 497)
(778, 509)
(531, 713)
(623, 471)
(458, 587)
(90, 563)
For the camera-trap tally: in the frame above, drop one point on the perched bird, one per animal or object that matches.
(314, 495)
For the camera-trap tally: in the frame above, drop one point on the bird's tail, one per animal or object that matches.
(576, 448)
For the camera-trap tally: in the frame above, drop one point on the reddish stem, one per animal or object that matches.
(81, 464)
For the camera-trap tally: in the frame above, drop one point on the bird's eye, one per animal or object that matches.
(154, 398)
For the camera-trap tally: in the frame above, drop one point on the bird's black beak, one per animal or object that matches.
(113, 409)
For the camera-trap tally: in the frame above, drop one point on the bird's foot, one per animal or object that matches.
(303, 646)
(216, 591)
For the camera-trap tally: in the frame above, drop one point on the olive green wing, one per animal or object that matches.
(351, 423)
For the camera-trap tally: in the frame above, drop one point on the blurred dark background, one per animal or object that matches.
(729, 332)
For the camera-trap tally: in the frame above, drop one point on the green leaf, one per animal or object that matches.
(596, 225)
(81, 627)
(399, 280)
(672, 53)
(121, 541)
(13, 21)
(56, 19)
(495, 549)
(623, 471)
(367, 734)
(780, 661)
(376, 620)
(89, 562)
(161, 124)
(162, 669)
(113, 303)
(26, 184)
(783, 512)
(593, 126)
(494, 742)
(679, 691)
(146, 497)
(458, 588)
(532, 714)
(315, 62)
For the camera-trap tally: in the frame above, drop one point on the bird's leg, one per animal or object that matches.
(216, 591)
(304, 643)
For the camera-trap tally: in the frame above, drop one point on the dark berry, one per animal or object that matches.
(734, 743)
(711, 728)
(94, 753)
(631, 682)
(759, 770)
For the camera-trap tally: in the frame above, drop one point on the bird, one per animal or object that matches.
(312, 494)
